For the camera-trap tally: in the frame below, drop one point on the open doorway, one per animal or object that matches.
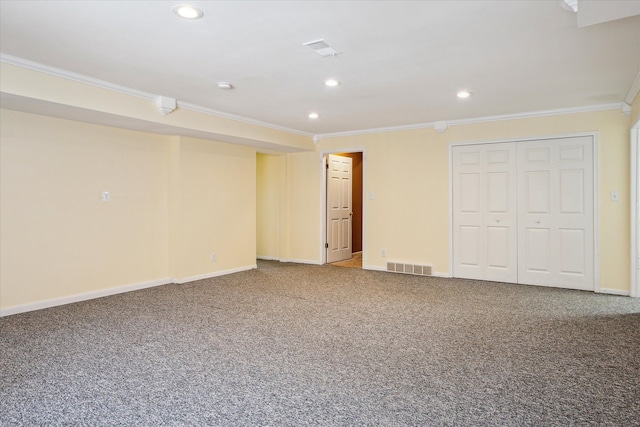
(350, 237)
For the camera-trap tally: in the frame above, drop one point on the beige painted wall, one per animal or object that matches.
(58, 237)
(269, 202)
(304, 184)
(37, 85)
(213, 209)
(177, 199)
(174, 200)
(408, 174)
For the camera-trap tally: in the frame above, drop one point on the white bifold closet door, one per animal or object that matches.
(484, 212)
(523, 212)
(555, 213)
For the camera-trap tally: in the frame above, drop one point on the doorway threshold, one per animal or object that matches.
(354, 262)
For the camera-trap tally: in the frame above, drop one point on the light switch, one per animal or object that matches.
(106, 196)
(615, 196)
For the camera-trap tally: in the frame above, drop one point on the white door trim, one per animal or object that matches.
(634, 286)
(596, 186)
(323, 202)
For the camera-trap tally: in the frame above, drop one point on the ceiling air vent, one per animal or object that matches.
(321, 48)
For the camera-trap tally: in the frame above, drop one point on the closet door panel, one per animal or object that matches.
(500, 254)
(484, 204)
(468, 220)
(555, 213)
(537, 251)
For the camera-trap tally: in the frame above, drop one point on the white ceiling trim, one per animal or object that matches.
(633, 92)
(528, 115)
(81, 78)
(69, 75)
(199, 109)
(376, 130)
(543, 113)
(35, 66)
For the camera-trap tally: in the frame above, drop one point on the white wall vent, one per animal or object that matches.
(415, 269)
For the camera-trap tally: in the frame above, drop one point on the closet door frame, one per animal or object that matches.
(635, 210)
(596, 199)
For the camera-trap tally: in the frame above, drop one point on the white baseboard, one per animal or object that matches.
(301, 261)
(442, 275)
(612, 292)
(293, 260)
(39, 305)
(215, 274)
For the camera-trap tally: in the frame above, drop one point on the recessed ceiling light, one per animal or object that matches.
(464, 94)
(331, 83)
(225, 85)
(188, 12)
(314, 116)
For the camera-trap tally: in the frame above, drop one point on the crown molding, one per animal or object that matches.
(81, 78)
(528, 115)
(377, 130)
(212, 112)
(633, 91)
(76, 77)
(35, 66)
(542, 113)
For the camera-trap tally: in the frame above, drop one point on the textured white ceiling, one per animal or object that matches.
(401, 63)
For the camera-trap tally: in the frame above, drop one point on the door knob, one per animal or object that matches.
(537, 221)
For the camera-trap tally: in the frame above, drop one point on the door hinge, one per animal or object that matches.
(327, 165)
(326, 246)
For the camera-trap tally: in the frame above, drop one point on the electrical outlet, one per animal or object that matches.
(214, 257)
(106, 196)
(615, 196)
(384, 253)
